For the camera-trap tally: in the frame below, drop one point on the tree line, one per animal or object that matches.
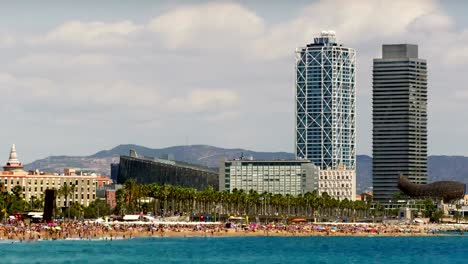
(13, 202)
(168, 200)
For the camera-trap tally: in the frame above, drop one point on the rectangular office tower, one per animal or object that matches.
(399, 145)
(326, 103)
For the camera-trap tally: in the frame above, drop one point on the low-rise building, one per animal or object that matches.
(340, 183)
(102, 181)
(273, 176)
(365, 196)
(107, 193)
(34, 183)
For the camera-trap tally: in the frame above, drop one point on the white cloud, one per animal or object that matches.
(204, 99)
(361, 22)
(211, 25)
(61, 60)
(91, 33)
(149, 74)
(7, 40)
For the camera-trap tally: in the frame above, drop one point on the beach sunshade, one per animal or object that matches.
(298, 220)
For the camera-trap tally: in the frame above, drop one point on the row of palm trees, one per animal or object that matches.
(167, 200)
(14, 203)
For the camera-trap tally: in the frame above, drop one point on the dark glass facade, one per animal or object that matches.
(399, 145)
(147, 171)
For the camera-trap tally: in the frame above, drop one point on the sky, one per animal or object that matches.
(77, 77)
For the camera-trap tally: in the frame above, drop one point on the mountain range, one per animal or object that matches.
(453, 168)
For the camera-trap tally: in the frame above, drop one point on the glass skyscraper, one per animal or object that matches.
(326, 103)
(399, 145)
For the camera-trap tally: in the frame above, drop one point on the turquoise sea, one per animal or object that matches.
(259, 250)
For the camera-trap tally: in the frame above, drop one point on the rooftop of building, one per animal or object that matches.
(399, 51)
(13, 163)
(174, 163)
(325, 38)
(23, 173)
(251, 161)
(15, 168)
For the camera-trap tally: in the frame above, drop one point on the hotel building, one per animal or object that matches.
(399, 142)
(34, 183)
(326, 103)
(326, 113)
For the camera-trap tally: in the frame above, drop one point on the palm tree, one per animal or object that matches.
(155, 192)
(165, 192)
(16, 190)
(65, 191)
(131, 194)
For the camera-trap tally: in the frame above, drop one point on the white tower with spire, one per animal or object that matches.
(13, 163)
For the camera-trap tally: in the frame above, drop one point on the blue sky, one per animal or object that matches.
(81, 76)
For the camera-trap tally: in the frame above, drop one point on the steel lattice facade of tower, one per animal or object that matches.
(326, 103)
(399, 119)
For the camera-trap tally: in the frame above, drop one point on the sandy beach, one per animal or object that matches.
(112, 231)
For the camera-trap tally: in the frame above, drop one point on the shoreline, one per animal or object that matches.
(229, 234)
(87, 231)
(108, 239)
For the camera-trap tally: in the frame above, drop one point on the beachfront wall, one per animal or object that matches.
(146, 171)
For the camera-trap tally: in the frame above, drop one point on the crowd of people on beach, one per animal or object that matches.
(88, 230)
